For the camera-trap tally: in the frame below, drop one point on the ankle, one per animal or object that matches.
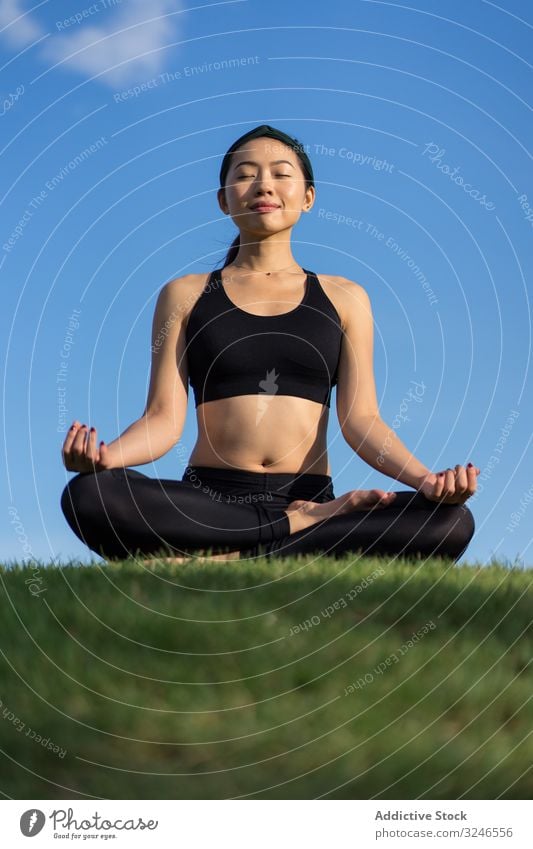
(299, 515)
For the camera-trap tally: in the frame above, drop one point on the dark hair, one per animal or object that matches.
(233, 250)
(261, 132)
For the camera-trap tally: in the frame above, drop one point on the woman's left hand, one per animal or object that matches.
(452, 486)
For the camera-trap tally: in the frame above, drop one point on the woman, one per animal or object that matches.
(262, 345)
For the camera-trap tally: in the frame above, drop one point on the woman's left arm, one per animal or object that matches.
(359, 418)
(379, 446)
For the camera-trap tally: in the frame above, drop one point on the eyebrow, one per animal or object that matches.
(276, 162)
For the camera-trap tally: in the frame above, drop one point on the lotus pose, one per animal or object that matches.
(262, 341)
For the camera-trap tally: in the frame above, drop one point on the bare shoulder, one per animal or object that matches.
(187, 283)
(182, 292)
(346, 295)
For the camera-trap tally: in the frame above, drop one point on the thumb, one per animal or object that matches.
(103, 451)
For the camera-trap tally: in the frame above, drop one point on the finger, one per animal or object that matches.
(461, 480)
(439, 485)
(69, 439)
(449, 484)
(90, 448)
(78, 445)
(471, 474)
(103, 453)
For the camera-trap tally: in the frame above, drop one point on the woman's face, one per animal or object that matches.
(265, 171)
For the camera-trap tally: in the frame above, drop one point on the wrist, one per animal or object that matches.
(423, 480)
(112, 458)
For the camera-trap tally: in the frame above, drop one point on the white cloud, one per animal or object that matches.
(116, 33)
(17, 26)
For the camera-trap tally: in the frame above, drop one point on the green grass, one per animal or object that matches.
(192, 681)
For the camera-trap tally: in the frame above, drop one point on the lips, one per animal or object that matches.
(264, 206)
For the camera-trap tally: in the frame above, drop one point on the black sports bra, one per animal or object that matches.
(233, 352)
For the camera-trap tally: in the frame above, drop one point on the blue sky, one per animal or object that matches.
(114, 119)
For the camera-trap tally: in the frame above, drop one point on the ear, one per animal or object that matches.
(221, 195)
(309, 198)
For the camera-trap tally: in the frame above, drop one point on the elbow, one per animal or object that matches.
(357, 426)
(169, 427)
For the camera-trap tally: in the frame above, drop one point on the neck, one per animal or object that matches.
(268, 254)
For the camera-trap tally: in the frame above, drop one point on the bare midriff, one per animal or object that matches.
(258, 433)
(263, 433)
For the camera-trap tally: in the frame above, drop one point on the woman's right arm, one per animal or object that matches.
(161, 424)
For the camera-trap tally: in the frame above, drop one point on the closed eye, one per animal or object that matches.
(246, 176)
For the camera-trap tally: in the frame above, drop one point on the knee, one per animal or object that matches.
(456, 529)
(467, 526)
(80, 497)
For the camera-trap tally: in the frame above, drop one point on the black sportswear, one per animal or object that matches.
(121, 512)
(233, 352)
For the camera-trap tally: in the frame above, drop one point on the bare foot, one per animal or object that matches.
(226, 555)
(303, 514)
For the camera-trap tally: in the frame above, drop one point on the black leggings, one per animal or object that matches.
(121, 512)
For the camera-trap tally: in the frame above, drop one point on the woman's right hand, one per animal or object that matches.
(452, 486)
(81, 453)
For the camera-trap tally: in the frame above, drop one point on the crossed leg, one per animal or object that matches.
(304, 514)
(410, 524)
(120, 512)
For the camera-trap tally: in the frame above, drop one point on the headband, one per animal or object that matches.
(272, 133)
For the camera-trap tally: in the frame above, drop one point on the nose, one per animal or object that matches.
(262, 180)
(262, 187)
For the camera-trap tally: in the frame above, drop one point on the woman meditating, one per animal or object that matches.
(262, 341)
